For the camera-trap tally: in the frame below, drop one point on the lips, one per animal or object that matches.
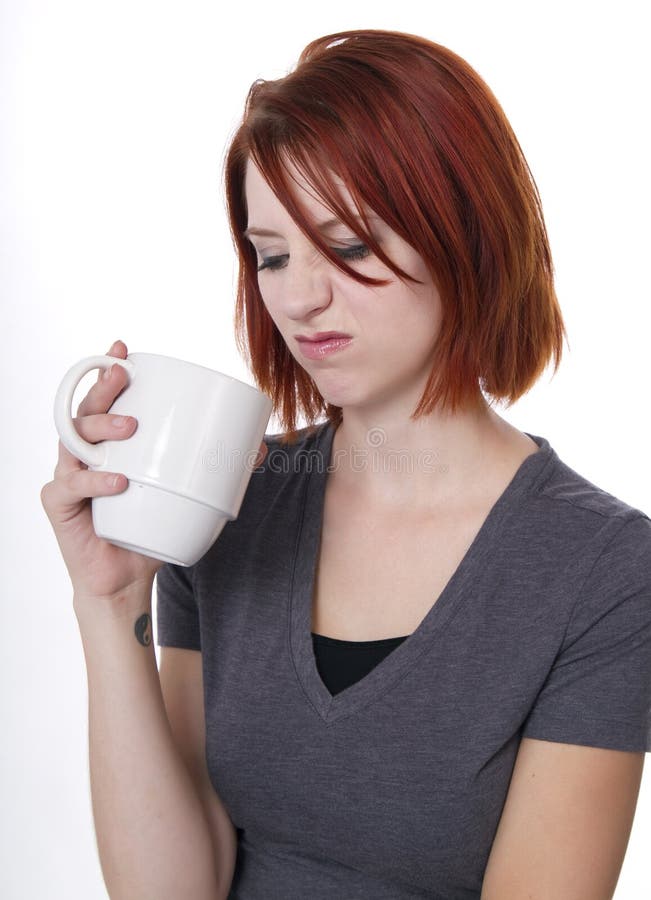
(322, 336)
(318, 348)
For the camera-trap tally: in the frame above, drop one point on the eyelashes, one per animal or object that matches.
(273, 263)
(349, 254)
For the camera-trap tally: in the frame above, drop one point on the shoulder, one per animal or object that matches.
(599, 553)
(291, 457)
(291, 444)
(564, 486)
(569, 508)
(565, 537)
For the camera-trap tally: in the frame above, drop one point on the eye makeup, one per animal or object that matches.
(348, 254)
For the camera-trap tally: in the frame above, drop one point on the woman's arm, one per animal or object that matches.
(565, 824)
(181, 678)
(153, 831)
(153, 837)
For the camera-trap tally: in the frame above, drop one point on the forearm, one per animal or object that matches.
(152, 834)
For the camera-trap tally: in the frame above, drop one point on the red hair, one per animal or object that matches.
(417, 136)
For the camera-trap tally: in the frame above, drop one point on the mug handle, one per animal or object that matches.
(91, 454)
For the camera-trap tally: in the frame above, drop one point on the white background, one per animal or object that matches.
(114, 120)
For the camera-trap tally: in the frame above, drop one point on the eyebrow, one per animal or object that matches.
(321, 226)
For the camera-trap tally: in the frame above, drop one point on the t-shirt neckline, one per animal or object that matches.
(463, 584)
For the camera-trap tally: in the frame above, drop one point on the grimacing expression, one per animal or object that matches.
(394, 327)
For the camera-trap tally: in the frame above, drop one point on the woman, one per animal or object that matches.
(419, 660)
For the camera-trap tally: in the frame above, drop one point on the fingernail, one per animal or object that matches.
(107, 373)
(119, 421)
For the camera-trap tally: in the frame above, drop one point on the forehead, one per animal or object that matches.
(262, 201)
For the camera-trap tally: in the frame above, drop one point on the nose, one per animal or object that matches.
(307, 289)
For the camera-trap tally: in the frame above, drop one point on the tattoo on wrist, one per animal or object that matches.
(142, 629)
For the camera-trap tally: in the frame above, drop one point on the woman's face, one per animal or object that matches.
(393, 328)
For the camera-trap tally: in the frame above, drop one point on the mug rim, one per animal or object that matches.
(194, 365)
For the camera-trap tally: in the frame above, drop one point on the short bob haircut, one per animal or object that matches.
(416, 136)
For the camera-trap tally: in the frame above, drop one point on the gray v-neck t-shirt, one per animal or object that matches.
(393, 788)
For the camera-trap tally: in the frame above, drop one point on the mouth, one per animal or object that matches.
(322, 336)
(318, 349)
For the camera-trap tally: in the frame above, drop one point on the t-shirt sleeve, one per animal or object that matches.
(176, 608)
(598, 692)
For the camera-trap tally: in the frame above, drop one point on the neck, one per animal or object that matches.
(392, 459)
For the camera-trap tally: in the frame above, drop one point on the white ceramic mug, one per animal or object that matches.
(188, 462)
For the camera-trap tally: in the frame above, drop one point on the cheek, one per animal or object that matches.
(270, 303)
(273, 306)
(414, 315)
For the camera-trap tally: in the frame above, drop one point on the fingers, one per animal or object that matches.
(117, 349)
(103, 427)
(100, 427)
(62, 497)
(108, 385)
(97, 401)
(67, 462)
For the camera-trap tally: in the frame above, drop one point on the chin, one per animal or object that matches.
(340, 396)
(341, 400)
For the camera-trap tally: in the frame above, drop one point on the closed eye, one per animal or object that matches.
(273, 263)
(349, 254)
(357, 251)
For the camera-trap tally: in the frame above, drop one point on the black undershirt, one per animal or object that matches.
(342, 663)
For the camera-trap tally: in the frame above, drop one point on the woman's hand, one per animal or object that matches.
(98, 569)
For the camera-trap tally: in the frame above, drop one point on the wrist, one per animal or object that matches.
(124, 605)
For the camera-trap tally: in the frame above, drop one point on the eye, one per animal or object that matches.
(273, 263)
(349, 254)
(357, 251)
